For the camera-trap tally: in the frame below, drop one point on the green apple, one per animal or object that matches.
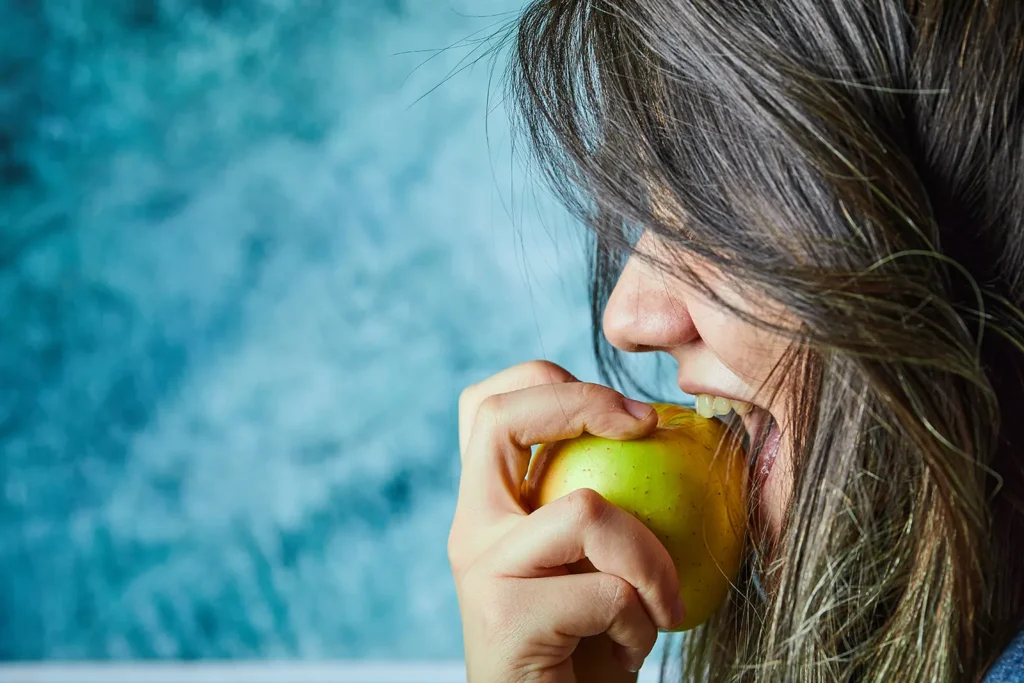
(686, 482)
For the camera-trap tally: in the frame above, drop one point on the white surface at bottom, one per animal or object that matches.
(246, 672)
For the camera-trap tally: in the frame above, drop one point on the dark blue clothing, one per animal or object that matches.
(1010, 667)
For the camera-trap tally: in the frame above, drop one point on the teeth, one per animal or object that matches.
(709, 406)
(721, 406)
(741, 407)
(703, 404)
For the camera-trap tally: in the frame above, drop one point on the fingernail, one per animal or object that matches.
(637, 409)
(678, 611)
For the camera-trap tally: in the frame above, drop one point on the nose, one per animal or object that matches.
(647, 309)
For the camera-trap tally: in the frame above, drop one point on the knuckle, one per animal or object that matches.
(522, 376)
(599, 408)
(535, 372)
(468, 397)
(490, 410)
(587, 506)
(590, 392)
(619, 595)
(596, 402)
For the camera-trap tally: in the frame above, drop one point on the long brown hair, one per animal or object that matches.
(860, 162)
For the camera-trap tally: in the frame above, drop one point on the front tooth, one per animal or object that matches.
(741, 407)
(721, 406)
(702, 402)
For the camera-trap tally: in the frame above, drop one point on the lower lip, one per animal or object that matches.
(767, 453)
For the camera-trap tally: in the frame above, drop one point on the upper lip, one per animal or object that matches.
(752, 423)
(694, 389)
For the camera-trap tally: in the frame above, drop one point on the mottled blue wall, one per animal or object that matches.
(245, 272)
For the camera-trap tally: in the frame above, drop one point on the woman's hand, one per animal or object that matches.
(524, 614)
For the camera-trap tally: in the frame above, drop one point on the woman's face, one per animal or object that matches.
(718, 354)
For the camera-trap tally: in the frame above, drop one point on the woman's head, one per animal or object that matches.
(818, 207)
(719, 355)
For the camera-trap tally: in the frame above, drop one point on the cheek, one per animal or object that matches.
(749, 351)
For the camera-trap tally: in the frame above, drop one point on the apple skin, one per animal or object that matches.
(686, 482)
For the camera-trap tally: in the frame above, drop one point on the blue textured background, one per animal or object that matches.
(245, 271)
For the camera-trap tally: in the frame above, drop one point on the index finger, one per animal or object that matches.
(508, 425)
(523, 376)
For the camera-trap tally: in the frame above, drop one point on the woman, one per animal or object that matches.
(817, 208)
